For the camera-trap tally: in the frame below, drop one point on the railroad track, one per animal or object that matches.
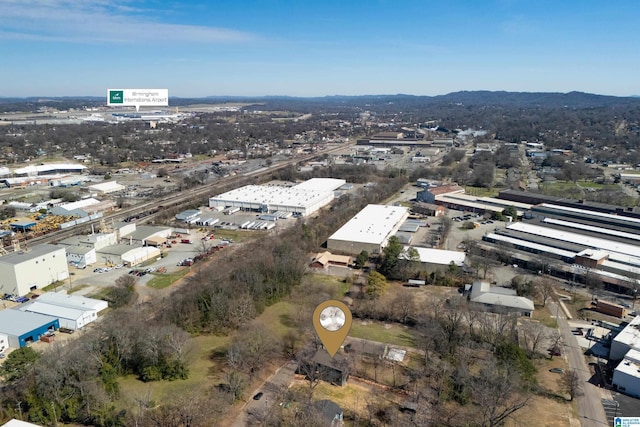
(147, 211)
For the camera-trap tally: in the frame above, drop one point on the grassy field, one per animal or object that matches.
(239, 236)
(481, 191)
(338, 286)
(542, 315)
(163, 280)
(387, 333)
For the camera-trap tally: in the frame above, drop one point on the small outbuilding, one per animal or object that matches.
(22, 328)
(497, 299)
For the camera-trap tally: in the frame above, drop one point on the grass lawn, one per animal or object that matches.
(163, 280)
(481, 191)
(336, 284)
(542, 315)
(276, 317)
(385, 333)
(239, 236)
(76, 288)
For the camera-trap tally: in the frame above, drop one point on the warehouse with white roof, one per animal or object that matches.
(271, 198)
(437, 257)
(107, 187)
(321, 184)
(369, 230)
(71, 318)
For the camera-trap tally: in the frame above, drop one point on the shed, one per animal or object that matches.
(22, 328)
(23, 225)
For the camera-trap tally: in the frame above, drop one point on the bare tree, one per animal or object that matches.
(403, 306)
(571, 383)
(498, 394)
(534, 334)
(545, 290)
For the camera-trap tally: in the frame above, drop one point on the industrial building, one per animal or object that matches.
(83, 208)
(302, 199)
(369, 230)
(73, 301)
(141, 234)
(626, 347)
(73, 312)
(22, 328)
(70, 318)
(27, 270)
(106, 187)
(626, 376)
(127, 255)
(189, 216)
(497, 299)
(50, 169)
(437, 258)
(627, 339)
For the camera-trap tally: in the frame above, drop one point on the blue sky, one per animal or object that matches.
(321, 47)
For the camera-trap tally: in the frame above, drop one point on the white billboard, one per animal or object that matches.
(137, 98)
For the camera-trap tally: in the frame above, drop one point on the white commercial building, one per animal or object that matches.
(321, 184)
(73, 301)
(627, 339)
(127, 254)
(81, 208)
(271, 198)
(107, 187)
(35, 268)
(50, 169)
(626, 376)
(437, 256)
(369, 230)
(71, 318)
(81, 256)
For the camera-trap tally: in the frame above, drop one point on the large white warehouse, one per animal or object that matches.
(369, 230)
(35, 268)
(303, 199)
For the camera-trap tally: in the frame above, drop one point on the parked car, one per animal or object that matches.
(1, 355)
(557, 370)
(22, 299)
(258, 396)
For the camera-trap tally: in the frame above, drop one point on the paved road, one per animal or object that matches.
(590, 408)
(271, 388)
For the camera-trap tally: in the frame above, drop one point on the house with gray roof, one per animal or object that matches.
(499, 300)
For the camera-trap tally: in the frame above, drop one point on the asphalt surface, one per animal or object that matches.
(590, 409)
(253, 410)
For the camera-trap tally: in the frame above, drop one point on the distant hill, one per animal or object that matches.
(468, 98)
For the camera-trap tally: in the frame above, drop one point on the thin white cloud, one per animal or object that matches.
(108, 21)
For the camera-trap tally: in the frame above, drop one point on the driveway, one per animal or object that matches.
(271, 387)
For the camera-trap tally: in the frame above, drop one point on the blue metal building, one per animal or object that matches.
(23, 327)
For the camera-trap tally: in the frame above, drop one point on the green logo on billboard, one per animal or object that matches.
(116, 96)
